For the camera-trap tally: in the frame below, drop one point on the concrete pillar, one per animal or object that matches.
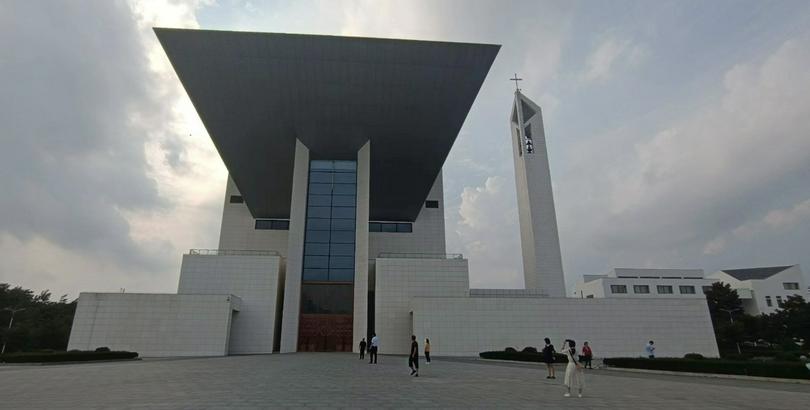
(295, 250)
(360, 320)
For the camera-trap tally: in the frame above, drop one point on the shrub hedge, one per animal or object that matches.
(71, 356)
(521, 356)
(785, 370)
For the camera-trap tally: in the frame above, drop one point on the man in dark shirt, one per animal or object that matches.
(413, 359)
(362, 348)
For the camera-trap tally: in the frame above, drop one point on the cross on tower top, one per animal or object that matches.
(516, 79)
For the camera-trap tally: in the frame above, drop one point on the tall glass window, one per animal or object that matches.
(331, 216)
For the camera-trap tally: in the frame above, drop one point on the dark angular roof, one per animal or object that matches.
(257, 93)
(755, 273)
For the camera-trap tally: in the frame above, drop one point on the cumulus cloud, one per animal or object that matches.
(610, 53)
(694, 186)
(93, 131)
(489, 235)
(775, 221)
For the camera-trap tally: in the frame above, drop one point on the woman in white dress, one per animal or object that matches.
(574, 376)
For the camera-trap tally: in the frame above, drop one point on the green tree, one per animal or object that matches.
(43, 325)
(725, 308)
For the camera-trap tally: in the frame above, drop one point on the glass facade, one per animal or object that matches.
(330, 226)
(327, 290)
(390, 227)
(275, 224)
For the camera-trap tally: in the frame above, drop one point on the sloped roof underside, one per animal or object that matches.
(755, 273)
(257, 92)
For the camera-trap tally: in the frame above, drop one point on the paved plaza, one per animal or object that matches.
(339, 380)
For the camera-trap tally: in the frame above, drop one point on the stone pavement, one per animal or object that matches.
(339, 380)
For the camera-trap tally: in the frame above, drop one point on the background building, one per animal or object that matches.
(763, 290)
(644, 283)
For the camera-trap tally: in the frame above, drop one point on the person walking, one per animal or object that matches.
(650, 350)
(574, 376)
(587, 355)
(427, 350)
(413, 358)
(372, 352)
(362, 348)
(548, 358)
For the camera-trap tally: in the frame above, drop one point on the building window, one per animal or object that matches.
(402, 227)
(779, 301)
(274, 224)
(236, 199)
(706, 289)
(330, 227)
(664, 289)
(687, 289)
(641, 289)
(768, 301)
(431, 204)
(589, 297)
(791, 285)
(618, 288)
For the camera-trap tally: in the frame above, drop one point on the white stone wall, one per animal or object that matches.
(239, 231)
(428, 230)
(295, 250)
(458, 326)
(398, 281)
(254, 278)
(154, 325)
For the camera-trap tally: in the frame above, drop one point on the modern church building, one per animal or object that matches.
(333, 222)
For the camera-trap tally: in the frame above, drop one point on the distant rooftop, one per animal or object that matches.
(755, 273)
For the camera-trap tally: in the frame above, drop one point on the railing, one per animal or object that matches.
(232, 252)
(509, 293)
(407, 255)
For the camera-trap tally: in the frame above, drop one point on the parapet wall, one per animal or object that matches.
(154, 325)
(466, 326)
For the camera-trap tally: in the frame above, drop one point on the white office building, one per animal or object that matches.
(763, 290)
(333, 223)
(644, 283)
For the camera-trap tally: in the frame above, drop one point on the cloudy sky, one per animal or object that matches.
(679, 133)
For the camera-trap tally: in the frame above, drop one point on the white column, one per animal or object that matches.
(360, 321)
(295, 250)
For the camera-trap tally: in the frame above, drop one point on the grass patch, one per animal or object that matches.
(72, 356)
(524, 356)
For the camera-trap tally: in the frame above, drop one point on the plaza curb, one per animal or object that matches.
(710, 375)
(134, 359)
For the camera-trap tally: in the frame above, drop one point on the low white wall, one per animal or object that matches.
(397, 280)
(154, 325)
(466, 326)
(254, 278)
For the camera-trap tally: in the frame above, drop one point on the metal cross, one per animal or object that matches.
(516, 79)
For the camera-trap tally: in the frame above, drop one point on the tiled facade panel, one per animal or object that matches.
(427, 235)
(239, 231)
(255, 279)
(614, 327)
(398, 281)
(154, 325)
